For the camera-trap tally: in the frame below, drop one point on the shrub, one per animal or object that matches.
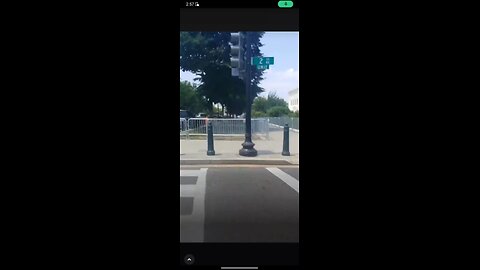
(278, 111)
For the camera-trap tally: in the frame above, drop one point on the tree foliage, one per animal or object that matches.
(278, 111)
(207, 54)
(272, 106)
(190, 99)
(258, 114)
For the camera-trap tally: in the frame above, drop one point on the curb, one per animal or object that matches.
(291, 129)
(234, 162)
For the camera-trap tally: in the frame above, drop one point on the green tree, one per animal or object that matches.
(278, 111)
(207, 54)
(273, 100)
(271, 106)
(190, 99)
(260, 104)
(258, 114)
(293, 114)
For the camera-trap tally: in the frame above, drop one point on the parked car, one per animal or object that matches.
(185, 114)
(201, 115)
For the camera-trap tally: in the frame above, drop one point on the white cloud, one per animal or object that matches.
(280, 81)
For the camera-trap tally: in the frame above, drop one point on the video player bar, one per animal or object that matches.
(238, 267)
(239, 4)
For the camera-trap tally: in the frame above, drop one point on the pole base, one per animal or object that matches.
(210, 153)
(285, 153)
(248, 150)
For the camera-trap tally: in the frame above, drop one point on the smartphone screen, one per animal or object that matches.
(239, 135)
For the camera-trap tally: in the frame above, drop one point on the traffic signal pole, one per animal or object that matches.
(248, 149)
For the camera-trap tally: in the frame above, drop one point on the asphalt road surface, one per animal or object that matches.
(239, 204)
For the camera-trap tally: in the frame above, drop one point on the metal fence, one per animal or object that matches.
(222, 127)
(293, 122)
(183, 126)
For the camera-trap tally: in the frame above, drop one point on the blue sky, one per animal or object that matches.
(283, 75)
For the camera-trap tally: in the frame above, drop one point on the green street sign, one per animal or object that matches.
(262, 61)
(263, 66)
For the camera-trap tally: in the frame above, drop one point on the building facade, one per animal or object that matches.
(293, 100)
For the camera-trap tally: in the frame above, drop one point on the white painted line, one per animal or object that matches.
(192, 226)
(285, 177)
(187, 190)
(190, 173)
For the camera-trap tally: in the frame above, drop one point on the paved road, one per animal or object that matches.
(239, 204)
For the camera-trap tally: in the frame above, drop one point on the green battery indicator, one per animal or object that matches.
(285, 4)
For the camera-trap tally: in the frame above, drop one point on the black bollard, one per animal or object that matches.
(286, 139)
(210, 151)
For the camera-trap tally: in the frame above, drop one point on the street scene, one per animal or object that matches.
(239, 204)
(239, 137)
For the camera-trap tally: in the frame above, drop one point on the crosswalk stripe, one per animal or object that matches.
(187, 190)
(285, 177)
(190, 173)
(192, 226)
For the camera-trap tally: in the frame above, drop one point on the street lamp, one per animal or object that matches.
(248, 149)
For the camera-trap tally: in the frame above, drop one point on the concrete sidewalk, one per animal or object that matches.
(194, 152)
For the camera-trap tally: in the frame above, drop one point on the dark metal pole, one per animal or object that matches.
(210, 151)
(286, 140)
(248, 145)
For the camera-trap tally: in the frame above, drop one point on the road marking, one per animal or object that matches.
(285, 177)
(187, 190)
(187, 173)
(192, 226)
